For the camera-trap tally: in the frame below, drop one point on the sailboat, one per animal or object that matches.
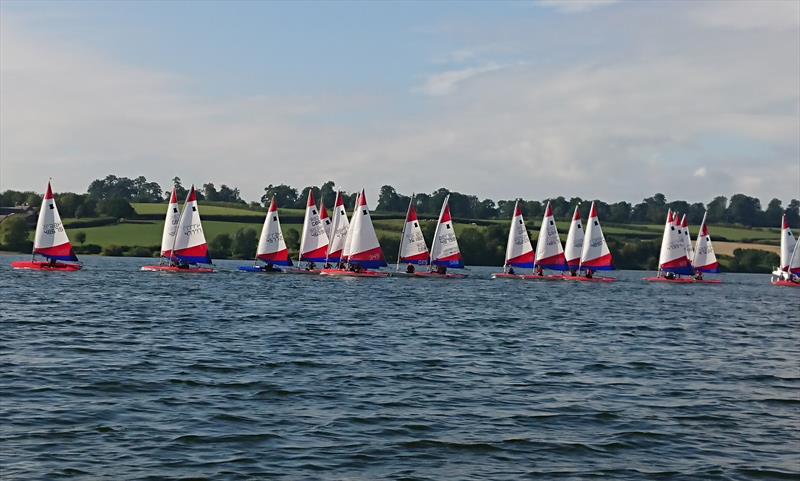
(413, 249)
(189, 245)
(338, 235)
(595, 255)
(444, 249)
(519, 251)
(573, 247)
(323, 216)
(313, 240)
(687, 238)
(363, 251)
(50, 241)
(549, 251)
(786, 273)
(703, 257)
(272, 248)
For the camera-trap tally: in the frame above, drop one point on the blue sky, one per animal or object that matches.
(589, 98)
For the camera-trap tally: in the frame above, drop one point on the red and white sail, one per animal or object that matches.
(413, 248)
(687, 238)
(326, 221)
(673, 252)
(313, 240)
(704, 258)
(519, 250)
(595, 254)
(348, 241)
(339, 230)
(171, 222)
(271, 245)
(51, 239)
(573, 247)
(190, 242)
(549, 252)
(787, 243)
(444, 250)
(364, 248)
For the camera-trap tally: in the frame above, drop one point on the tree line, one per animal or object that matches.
(112, 195)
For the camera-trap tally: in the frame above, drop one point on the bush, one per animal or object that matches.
(114, 250)
(117, 208)
(752, 260)
(93, 222)
(139, 251)
(88, 249)
(16, 237)
(244, 245)
(220, 246)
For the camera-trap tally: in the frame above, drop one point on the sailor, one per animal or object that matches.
(441, 270)
(539, 271)
(410, 269)
(698, 276)
(510, 270)
(589, 273)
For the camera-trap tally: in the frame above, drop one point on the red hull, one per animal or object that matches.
(346, 273)
(681, 280)
(785, 284)
(191, 270)
(587, 279)
(45, 266)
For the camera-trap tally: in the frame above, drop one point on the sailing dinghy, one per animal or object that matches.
(272, 250)
(323, 216)
(338, 235)
(573, 247)
(519, 251)
(313, 241)
(413, 250)
(595, 255)
(189, 247)
(703, 257)
(787, 273)
(50, 241)
(362, 249)
(444, 249)
(549, 251)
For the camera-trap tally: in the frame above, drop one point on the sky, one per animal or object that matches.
(604, 99)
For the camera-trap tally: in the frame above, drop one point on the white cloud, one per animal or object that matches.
(701, 172)
(748, 15)
(575, 6)
(445, 83)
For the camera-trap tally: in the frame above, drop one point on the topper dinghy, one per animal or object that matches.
(703, 257)
(788, 243)
(791, 276)
(519, 251)
(272, 250)
(189, 247)
(338, 235)
(50, 241)
(413, 250)
(549, 251)
(313, 241)
(363, 249)
(444, 248)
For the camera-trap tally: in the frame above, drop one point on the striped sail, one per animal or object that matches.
(338, 231)
(787, 243)
(190, 242)
(271, 245)
(51, 239)
(704, 258)
(444, 250)
(519, 251)
(314, 240)
(365, 250)
(549, 252)
(595, 254)
(413, 248)
(171, 221)
(672, 257)
(573, 247)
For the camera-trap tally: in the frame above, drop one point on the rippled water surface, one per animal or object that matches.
(111, 373)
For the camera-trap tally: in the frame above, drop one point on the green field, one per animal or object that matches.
(211, 209)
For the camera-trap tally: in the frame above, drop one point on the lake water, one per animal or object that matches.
(111, 373)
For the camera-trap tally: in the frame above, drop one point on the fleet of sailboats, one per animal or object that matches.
(351, 248)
